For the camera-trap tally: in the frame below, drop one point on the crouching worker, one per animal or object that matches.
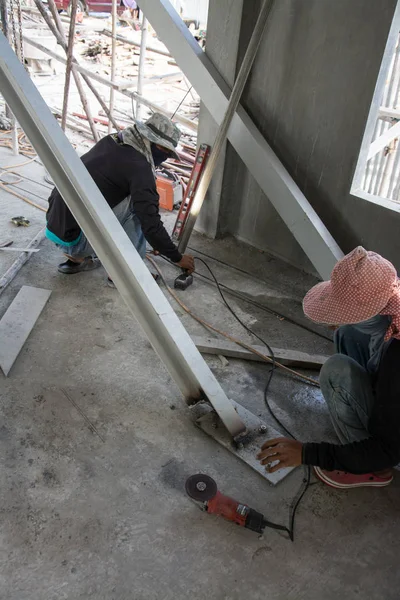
(361, 382)
(123, 167)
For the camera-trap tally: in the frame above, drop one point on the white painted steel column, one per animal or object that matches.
(119, 257)
(263, 164)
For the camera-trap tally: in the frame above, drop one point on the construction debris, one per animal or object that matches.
(5, 123)
(163, 90)
(95, 48)
(136, 82)
(20, 221)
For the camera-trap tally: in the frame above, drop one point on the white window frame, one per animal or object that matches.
(356, 189)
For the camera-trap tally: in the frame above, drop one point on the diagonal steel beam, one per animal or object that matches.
(263, 164)
(115, 250)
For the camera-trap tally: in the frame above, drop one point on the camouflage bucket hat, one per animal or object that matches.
(162, 131)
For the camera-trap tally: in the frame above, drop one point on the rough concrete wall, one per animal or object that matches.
(309, 93)
(223, 34)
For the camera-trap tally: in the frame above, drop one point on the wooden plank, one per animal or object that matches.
(18, 322)
(290, 358)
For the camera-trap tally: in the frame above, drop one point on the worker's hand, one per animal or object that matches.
(187, 263)
(286, 451)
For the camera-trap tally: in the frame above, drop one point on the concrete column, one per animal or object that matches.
(223, 35)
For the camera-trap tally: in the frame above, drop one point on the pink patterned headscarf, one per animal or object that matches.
(363, 284)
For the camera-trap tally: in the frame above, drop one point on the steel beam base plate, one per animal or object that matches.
(258, 432)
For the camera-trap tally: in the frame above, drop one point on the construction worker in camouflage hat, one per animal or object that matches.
(123, 165)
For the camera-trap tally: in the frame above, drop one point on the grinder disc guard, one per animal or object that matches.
(201, 487)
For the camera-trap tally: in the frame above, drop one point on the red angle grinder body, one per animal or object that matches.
(203, 488)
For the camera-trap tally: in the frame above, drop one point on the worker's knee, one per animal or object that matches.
(336, 369)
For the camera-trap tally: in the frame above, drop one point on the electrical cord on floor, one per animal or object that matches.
(306, 480)
(262, 306)
(5, 185)
(208, 325)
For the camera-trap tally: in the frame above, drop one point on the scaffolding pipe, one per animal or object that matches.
(107, 82)
(113, 57)
(9, 113)
(142, 58)
(70, 47)
(78, 83)
(75, 63)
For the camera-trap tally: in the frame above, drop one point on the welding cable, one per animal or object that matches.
(24, 146)
(251, 301)
(229, 337)
(306, 480)
(5, 184)
(7, 189)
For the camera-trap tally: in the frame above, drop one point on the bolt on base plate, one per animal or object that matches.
(258, 432)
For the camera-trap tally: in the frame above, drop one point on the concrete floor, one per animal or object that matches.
(85, 518)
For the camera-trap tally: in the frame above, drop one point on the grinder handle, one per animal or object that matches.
(228, 508)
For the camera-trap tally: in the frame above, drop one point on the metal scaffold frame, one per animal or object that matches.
(113, 247)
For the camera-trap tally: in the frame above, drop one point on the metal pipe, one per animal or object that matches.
(63, 45)
(394, 174)
(142, 58)
(113, 52)
(70, 47)
(78, 83)
(381, 159)
(9, 113)
(220, 139)
(4, 17)
(88, 74)
(111, 244)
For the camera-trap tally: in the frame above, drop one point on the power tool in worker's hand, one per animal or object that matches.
(203, 489)
(183, 281)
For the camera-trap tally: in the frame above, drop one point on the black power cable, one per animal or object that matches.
(307, 476)
(306, 480)
(262, 306)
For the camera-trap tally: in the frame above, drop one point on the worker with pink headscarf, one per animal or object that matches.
(361, 382)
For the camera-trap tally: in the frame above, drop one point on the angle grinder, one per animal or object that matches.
(203, 490)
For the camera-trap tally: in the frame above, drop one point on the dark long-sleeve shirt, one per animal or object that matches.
(118, 171)
(382, 449)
